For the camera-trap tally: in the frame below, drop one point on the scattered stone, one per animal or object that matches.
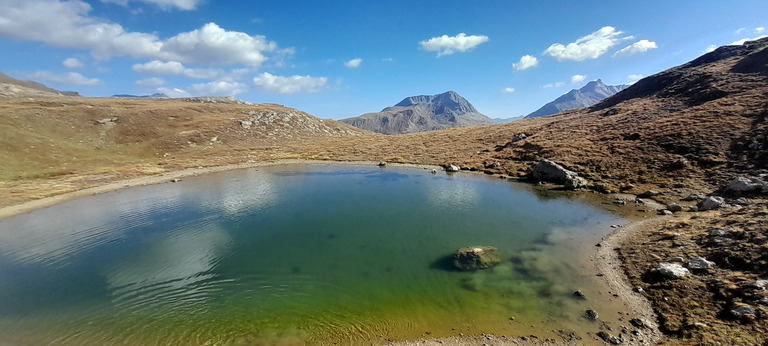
(434, 171)
(761, 284)
(613, 340)
(717, 232)
(695, 197)
(710, 203)
(496, 165)
(638, 289)
(677, 259)
(649, 193)
(175, 180)
(693, 209)
(638, 323)
(579, 294)
(591, 315)
(476, 257)
(106, 121)
(452, 168)
(619, 201)
(669, 270)
(741, 201)
(700, 264)
(609, 112)
(679, 163)
(674, 208)
(744, 312)
(382, 164)
(519, 137)
(664, 212)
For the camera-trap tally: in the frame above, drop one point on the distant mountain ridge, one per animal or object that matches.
(422, 113)
(588, 95)
(12, 87)
(153, 96)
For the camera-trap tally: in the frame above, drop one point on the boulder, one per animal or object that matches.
(669, 270)
(744, 185)
(476, 257)
(549, 171)
(591, 315)
(675, 207)
(382, 163)
(744, 312)
(452, 168)
(711, 202)
(700, 264)
(519, 137)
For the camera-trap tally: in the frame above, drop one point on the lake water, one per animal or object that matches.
(299, 254)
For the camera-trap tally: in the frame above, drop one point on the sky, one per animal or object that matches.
(340, 59)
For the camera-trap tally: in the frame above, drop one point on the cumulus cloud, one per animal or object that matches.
(289, 85)
(591, 46)
(71, 78)
(508, 90)
(526, 62)
(635, 77)
(743, 40)
(67, 24)
(219, 88)
(354, 63)
(759, 29)
(637, 47)
(176, 68)
(739, 30)
(153, 82)
(447, 45)
(164, 4)
(577, 78)
(553, 85)
(72, 63)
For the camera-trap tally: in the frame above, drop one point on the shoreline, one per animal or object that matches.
(605, 260)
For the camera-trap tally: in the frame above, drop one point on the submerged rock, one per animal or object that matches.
(476, 257)
(591, 315)
(452, 168)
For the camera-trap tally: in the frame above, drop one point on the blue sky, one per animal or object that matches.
(338, 59)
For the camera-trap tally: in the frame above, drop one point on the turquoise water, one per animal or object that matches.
(296, 254)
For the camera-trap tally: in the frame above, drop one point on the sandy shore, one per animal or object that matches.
(605, 259)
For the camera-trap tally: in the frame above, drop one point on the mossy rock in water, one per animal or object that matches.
(476, 257)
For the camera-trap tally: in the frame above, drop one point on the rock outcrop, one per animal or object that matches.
(476, 257)
(549, 171)
(422, 113)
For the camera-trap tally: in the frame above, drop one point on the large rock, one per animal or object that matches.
(476, 257)
(745, 185)
(712, 202)
(700, 264)
(669, 270)
(550, 171)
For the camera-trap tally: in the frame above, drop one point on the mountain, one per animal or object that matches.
(588, 95)
(422, 113)
(153, 96)
(507, 120)
(12, 87)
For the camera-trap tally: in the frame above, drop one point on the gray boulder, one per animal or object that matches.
(549, 171)
(669, 270)
(711, 202)
(452, 168)
(743, 185)
(476, 257)
(700, 264)
(675, 207)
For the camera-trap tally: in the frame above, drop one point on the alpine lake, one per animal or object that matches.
(302, 254)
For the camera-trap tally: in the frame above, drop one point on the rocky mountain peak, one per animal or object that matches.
(449, 100)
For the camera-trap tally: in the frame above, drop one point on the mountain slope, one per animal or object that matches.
(12, 87)
(588, 95)
(422, 113)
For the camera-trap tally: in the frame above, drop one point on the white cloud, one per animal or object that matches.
(759, 29)
(553, 85)
(153, 82)
(67, 24)
(637, 47)
(289, 85)
(72, 63)
(743, 40)
(160, 67)
(219, 88)
(526, 62)
(635, 77)
(70, 78)
(388, 60)
(176, 68)
(508, 90)
(174, 92)
(354, 63)
(577, 78)
(739, 30)
(591, 46)
(164, 4)
(447, 45)
(710, 48)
